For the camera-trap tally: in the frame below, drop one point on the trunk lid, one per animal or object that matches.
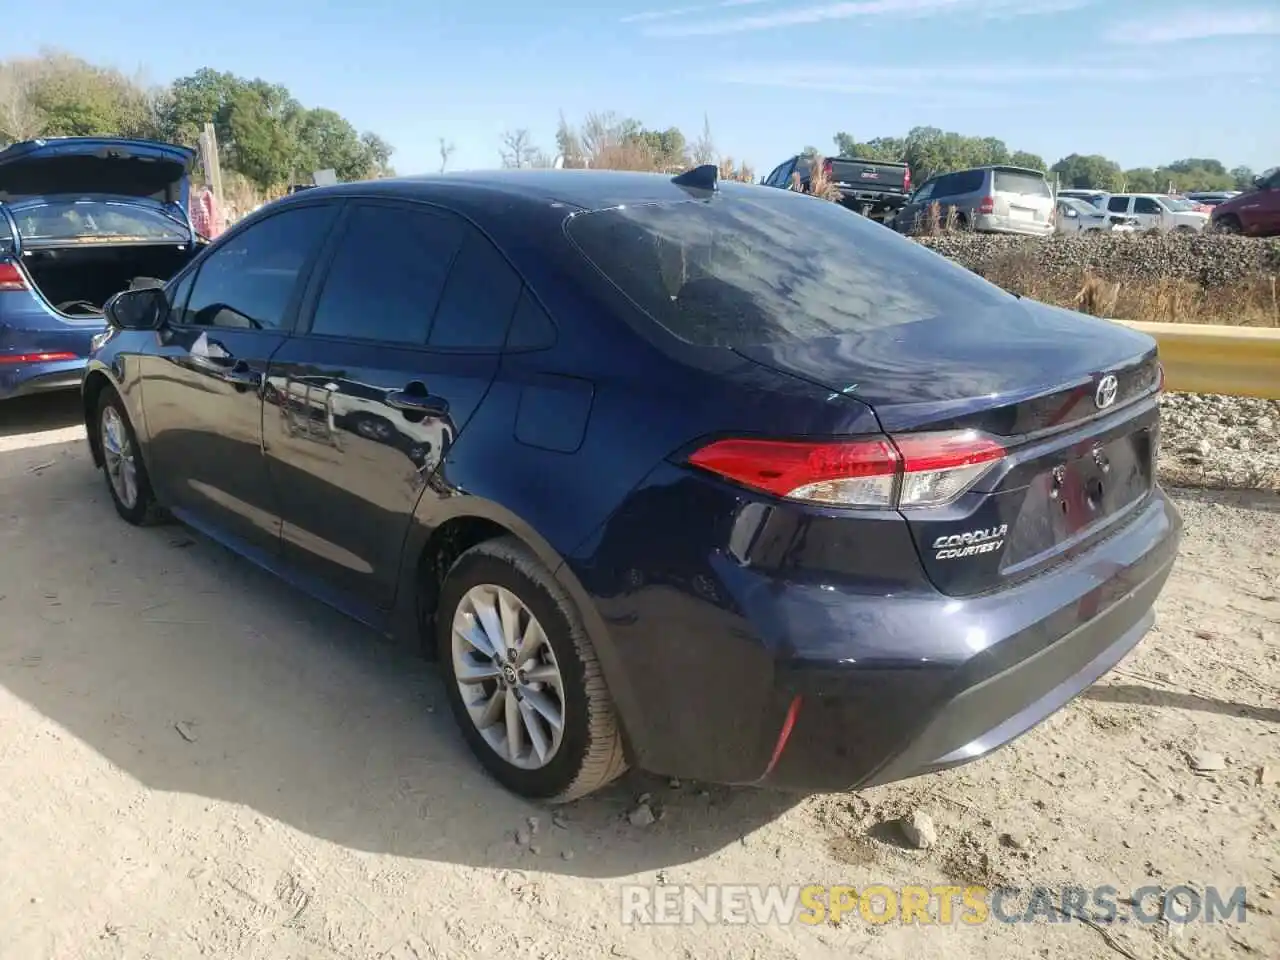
(1071, 398)
(869, 175)
(140, 169)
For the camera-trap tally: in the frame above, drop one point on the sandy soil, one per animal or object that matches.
(195, 761)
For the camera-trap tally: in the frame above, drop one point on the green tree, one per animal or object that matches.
(262, 124)
(1143, 180)
(1242, 178)
(1089, 172)
(377, 154)
(327, 141)
(1032, 161)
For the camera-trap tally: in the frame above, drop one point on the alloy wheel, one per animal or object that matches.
(508, 677)
(118, 452)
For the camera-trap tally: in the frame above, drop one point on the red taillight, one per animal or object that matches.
(910, 470)
(906, 181)
(826, 168)
(987, 206)
(11, 277)
(35, 357)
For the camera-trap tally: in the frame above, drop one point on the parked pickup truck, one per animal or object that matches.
(874, 188)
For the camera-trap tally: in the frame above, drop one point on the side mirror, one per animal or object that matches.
(142, 309)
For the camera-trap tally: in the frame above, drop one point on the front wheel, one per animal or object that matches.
(1229, 225)
(522, 676)
(127, 479)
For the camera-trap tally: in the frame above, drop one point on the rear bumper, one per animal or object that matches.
(871, 683)
(20, 380)
(989, 223)
(877, 202)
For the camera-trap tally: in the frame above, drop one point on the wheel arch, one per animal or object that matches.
(459, 523)
(96, 380)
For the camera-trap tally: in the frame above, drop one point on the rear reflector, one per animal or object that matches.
(911, 470)
(11, 278)
(35, 357)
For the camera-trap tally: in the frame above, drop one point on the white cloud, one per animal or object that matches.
(896, 79)
(1197, 25)
(671, 13)
(853, 9)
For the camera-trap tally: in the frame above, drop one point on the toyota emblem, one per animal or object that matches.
(1105, 395)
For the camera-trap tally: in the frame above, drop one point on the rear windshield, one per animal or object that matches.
(1023, 184)
(741, 270)
(94, 221)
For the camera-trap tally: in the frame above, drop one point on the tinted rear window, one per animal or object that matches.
(740, 270)
(1024, 184)
(94, 221)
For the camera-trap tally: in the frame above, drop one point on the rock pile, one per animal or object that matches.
(1208, 260)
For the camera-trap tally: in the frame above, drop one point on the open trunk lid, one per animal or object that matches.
(97, 165)
(1070, 399)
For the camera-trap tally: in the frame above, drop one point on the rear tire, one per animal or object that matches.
(498, 590)
(122, 466)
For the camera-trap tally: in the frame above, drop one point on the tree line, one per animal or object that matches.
(930, 151)
(263, 132)
(607, 141)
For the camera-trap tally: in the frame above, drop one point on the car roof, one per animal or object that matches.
(582, 189)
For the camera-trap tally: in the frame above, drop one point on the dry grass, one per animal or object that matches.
(820, 184)
(1254, 303)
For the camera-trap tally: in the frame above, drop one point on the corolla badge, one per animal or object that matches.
(1105, 395)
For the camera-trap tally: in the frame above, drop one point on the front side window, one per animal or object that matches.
(248, 282)
(1145, 205)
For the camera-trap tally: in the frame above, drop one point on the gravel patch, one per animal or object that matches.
(1208, 260)
(1215, 441)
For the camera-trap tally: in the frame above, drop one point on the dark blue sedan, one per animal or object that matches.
(720, 482)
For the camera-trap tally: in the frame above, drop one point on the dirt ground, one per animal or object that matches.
(196, 761)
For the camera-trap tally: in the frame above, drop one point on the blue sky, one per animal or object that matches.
(1141, 81)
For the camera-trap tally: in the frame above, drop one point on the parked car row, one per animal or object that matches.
(1007, 199)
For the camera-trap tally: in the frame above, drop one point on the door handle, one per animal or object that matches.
(241, 376)
(414, 398)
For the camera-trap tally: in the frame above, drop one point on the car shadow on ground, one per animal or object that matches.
(41, 412)
(1139, 695)
(193, 672)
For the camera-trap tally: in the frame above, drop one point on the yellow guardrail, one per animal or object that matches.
(1234, 361)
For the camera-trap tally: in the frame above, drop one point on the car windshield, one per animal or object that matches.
(741, 270)
(95, 221)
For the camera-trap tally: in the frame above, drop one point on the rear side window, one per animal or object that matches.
(478, 299)
(740, 270)
(1118, 204)
(1022, 184)
(387, 274)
